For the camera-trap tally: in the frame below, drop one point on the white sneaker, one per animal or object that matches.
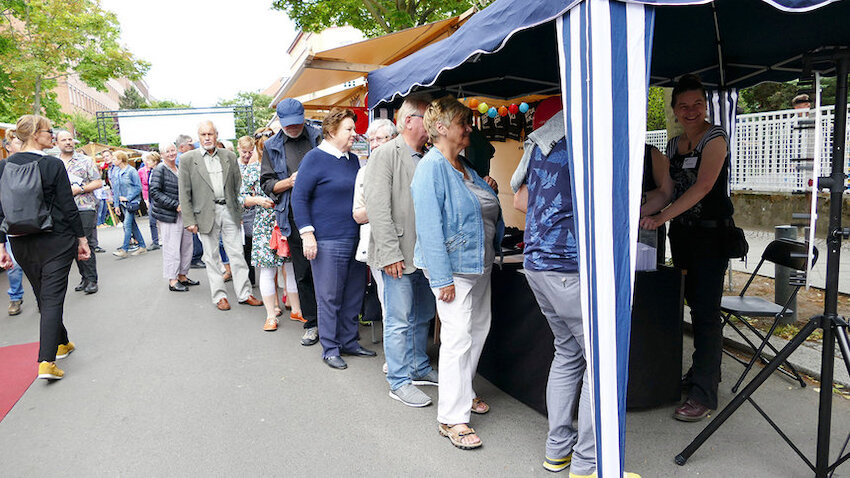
(310, 337)
(411, 396)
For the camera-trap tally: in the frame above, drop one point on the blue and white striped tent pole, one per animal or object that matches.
(605, 49)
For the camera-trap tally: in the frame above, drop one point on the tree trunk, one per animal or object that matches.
(36, 103)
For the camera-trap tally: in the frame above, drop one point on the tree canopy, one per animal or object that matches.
(44, 40)
(372, 17)
(259, 103)
(132, 100)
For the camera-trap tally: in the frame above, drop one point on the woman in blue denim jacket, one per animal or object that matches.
(127, 188)
(459, 229)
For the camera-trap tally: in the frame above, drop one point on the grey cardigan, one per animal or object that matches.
(389, 205)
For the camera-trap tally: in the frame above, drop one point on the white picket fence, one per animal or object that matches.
(767, 147)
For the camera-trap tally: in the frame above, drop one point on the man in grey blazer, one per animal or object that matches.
(408, 300)
(209, 185)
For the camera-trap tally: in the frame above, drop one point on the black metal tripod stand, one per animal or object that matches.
(834, 327)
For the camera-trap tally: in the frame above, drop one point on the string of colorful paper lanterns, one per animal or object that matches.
(492, 111)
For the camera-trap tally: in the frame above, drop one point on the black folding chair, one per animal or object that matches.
(781, 252)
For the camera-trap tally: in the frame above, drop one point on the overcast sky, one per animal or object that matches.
(203, 51)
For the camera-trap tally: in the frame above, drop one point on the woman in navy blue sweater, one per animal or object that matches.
(321, 206)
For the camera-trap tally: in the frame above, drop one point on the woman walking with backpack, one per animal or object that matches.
(39, 217)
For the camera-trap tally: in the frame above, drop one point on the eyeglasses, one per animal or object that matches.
(266, 134)
(417, 116)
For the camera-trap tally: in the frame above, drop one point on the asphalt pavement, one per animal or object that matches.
(163, 384)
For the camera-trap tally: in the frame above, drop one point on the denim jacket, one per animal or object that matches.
(127, 184)
(449, 227)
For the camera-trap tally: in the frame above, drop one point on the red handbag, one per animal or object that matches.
(279, 243)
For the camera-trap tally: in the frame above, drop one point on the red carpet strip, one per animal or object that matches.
(18, 369)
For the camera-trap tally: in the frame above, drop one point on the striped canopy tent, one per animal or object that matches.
(601, 55)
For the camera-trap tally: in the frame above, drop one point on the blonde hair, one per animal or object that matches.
(245, 142)
(121, 156)
(153, 156)
(29, 125)
(444, 111)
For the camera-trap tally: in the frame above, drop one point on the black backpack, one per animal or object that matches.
(22, 197)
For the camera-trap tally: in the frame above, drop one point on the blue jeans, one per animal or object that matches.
(197, 249)
(16, 279)
(131, 229)
(154, 230)
(340, 284)
(410, 307)
(102, 212)
(222, 252)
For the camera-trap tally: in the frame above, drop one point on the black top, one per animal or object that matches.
(648, 178)
(57, 193)
(164, 194)
(684, 168)
(296, 149)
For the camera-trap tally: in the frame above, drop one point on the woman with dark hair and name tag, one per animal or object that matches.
(700, 215)
(322, 201)
(45, 255)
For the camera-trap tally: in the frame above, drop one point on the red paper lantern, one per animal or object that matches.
(513, 108)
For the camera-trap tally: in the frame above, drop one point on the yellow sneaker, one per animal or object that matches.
(593, 475)
(557, 464)
(49, 371)
(64, 350)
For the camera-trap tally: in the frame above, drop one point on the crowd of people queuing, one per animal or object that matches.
(298, 211)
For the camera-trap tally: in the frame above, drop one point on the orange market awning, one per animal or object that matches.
(338, 76)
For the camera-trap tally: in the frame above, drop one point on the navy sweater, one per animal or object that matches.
(323, 195)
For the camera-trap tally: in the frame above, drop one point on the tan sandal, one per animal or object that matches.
(456, 436)
(271, 324)
(479, 406)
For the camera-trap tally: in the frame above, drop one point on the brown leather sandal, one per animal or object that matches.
(456, 436)
(479, 406)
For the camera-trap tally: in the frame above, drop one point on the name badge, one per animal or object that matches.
(690, 163)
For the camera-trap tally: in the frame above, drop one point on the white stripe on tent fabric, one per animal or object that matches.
(601, 173)
(603, 48)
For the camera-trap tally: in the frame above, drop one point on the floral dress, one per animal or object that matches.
(261, 254)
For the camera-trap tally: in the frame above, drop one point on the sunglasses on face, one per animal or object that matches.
(264, 134)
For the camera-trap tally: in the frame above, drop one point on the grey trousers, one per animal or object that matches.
(88, 268)
(176, 248)
(559, 297)
(231, 236)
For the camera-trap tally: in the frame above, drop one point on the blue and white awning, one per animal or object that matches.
(600, 55)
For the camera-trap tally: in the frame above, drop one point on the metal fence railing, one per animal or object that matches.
(768, 146)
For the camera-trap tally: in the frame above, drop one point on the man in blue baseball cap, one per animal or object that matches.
(282, 154)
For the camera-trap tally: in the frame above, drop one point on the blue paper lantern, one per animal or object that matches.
(523, 107)
(492, 112)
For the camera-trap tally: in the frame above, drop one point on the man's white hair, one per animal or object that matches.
(207, 123)
(412, 105)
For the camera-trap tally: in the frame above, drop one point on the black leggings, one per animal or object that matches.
(46, 260)
(700, 251)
